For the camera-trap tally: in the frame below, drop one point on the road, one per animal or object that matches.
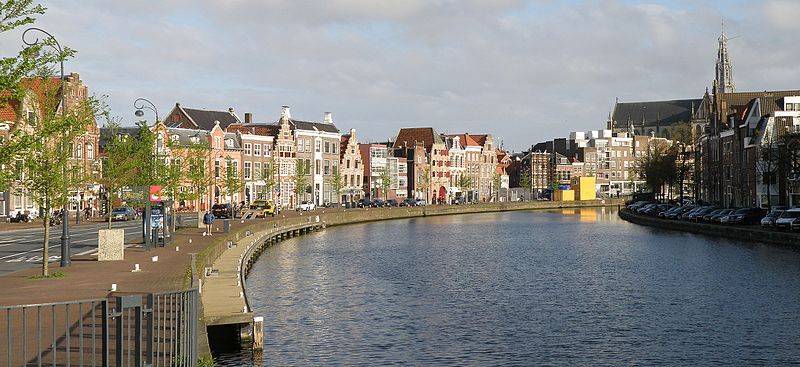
(22, 248)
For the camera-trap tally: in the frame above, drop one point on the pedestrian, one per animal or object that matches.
(208, 220)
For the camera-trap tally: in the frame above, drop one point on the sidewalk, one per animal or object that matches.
(88, 278)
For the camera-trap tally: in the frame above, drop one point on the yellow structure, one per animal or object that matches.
(584, 187)
(565, 195)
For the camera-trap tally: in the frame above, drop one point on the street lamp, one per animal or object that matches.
(65, 240)
(140, 104)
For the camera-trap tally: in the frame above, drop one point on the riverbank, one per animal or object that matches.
(741, 233)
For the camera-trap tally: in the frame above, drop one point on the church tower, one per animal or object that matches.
(724, 80)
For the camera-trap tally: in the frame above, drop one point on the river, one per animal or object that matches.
(566, 287)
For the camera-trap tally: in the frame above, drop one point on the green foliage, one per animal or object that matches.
(15, 13)
(335, 181)
(300, 179)
(658, 166)
(197, 159)
(56, 275)
(385, 181)
(268, 176)
(232, 180)
(205, 361)
(525, 180)
(496, 186)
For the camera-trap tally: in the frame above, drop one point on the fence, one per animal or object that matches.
(158, 329)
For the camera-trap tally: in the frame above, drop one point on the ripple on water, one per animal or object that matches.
(578, 287)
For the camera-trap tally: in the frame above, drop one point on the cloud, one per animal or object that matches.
(517, 69)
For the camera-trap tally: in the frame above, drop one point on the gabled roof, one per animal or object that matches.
(769, 100)
(185, 135)
(410, 136)
(206, 119)
(312, 126)
(255, 129)
(466, 140)
(661, 113)
(48, 88)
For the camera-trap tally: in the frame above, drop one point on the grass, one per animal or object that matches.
(54, 275)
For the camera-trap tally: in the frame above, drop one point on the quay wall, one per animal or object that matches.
(741, 233)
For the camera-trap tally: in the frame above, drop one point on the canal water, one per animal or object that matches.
(568, 287)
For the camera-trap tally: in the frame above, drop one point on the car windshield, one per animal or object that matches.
(119, 211)
(791, 214)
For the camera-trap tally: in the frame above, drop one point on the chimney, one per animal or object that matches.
(352, 132)
(285, 113)
(328, 118)
(248, 117)
(230, 110)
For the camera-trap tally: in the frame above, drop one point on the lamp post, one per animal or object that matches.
(140, 104)
(65, 240)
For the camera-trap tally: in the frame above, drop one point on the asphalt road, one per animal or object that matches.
(22, 248)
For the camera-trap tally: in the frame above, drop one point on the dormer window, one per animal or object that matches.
(228, 143)
(194, 139)
(175, 138)
(31, 118)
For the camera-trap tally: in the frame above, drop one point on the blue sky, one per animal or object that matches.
(525, 71)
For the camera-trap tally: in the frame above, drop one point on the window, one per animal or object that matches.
(334, 148)
(216, 168)
(327, 147)
(327, 166)
(308, 167)
(347, 163)
(308, 145)
(267, 150)
(317, 165)
(217, 142)
(89, 151)
(257, 170)
(257, 150)
(175, 138)
(247, 148)
(300, 145)
(317, 146)
(79, 151)
(31, 118)
(247, 169)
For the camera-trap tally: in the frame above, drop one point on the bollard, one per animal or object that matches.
(226, 226)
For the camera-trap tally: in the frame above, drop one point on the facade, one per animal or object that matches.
(318, 145)
(375, 159)
(285, 160)
(83, 157)
(351, 168)
(258, 163)
(431, 161)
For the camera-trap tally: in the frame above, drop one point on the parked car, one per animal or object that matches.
(789, 220)
(378, 203)
(707, 217)
(263, 208)
(421, 202)
(653, 210)
(409, 202)
(461, 200)
(391, 202)
(123, 213)
(743, 216)
(769, 220)
(222, 211)
(669, 211)
(697, 215)
(676, 214)
(306, 206)
(364, 203)
(724, 213)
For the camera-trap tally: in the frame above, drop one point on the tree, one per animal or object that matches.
(386, 180)
(525, 182)
(335, 181)
(767, 164)
(300, 179)
(658, 166)
(123, 162)
(464, 183)
(424, 181)
(268, 176)
(232, 179)
(198, 154)
(496, 186)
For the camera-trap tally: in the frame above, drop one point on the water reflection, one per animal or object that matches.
(569, 286)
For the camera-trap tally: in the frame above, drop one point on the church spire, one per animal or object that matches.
(724, 79)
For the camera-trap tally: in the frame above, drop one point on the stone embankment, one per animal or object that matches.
(741, 233)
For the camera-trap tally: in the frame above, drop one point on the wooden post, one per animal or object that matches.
(258, 334)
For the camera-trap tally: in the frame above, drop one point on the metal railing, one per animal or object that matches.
(158, 329)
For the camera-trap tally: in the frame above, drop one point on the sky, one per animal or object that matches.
(523, 71)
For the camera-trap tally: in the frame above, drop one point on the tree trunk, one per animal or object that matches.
(46, 247)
